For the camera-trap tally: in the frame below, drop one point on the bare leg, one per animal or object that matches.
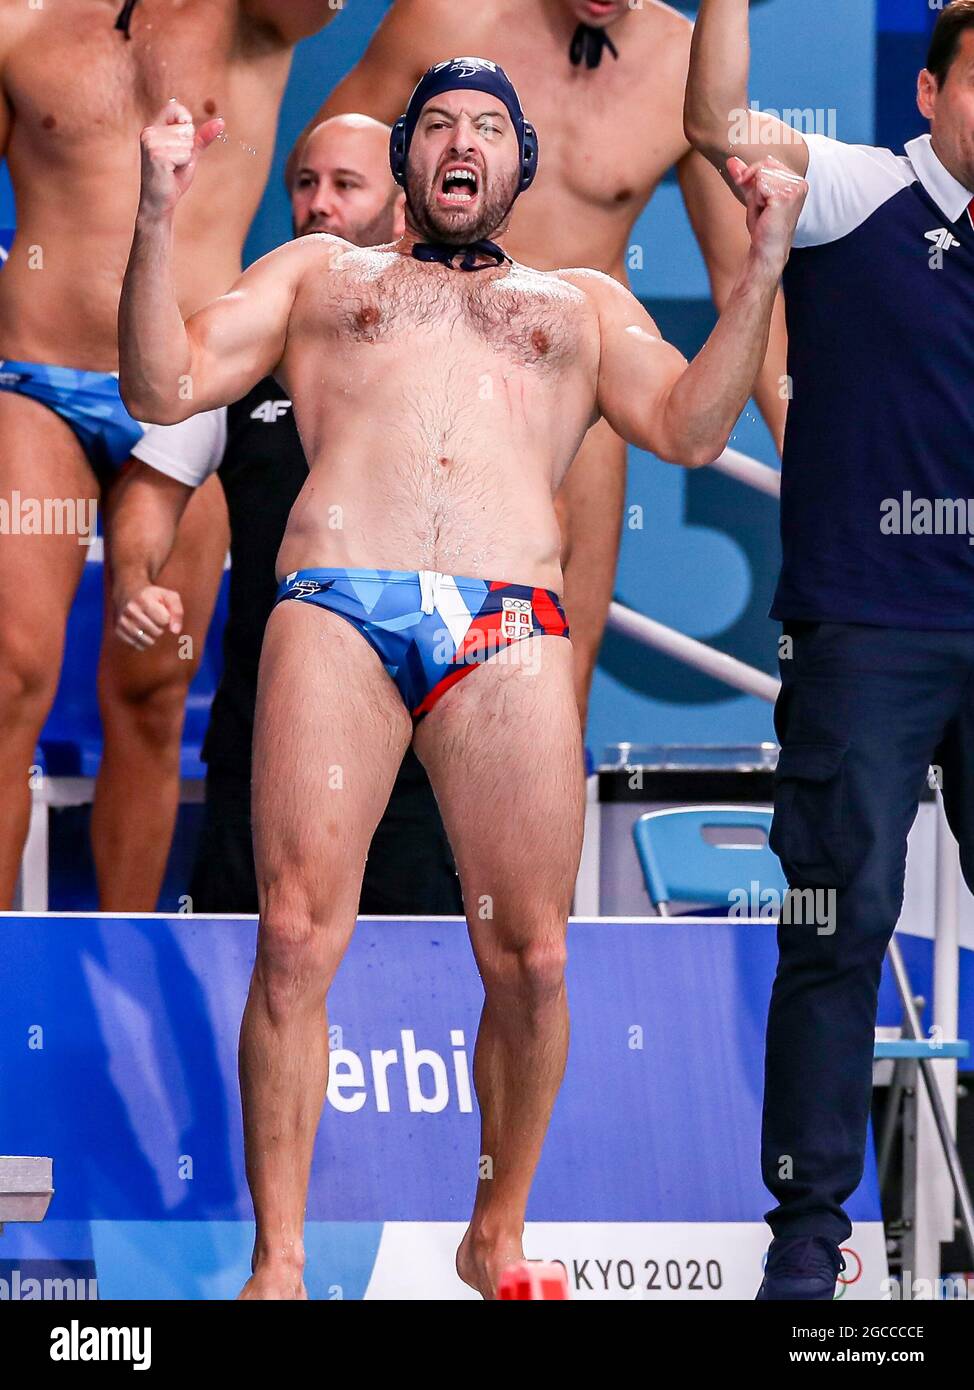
(330, 735)
(143, 704)
(589, 504)
(40, 458)
(503, 751)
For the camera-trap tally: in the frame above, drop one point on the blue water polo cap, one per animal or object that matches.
(458, 74)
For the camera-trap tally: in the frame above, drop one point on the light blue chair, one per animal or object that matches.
(704, 854)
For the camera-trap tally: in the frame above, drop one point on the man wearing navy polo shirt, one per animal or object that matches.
(876, 594)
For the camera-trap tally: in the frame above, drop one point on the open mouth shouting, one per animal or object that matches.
(459, 186)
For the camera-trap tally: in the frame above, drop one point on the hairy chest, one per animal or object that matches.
(529, 320)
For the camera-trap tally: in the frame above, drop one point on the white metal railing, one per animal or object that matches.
(693, 653)
(737, 674)
(749, 471)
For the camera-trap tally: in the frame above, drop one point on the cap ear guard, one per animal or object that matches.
(397, 151)
(529, 155)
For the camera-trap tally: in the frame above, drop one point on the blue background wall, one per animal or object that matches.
(706, 558)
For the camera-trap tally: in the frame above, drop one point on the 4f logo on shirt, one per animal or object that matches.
(516, 619)
(943, 240)
(270, 411)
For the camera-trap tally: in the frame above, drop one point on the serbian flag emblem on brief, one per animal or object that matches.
(516, 619)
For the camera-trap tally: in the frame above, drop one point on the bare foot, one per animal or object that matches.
(481, 1261)
(268, 1283)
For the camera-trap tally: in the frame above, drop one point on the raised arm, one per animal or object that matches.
(168, 369)
(717, 118)
(685, 413)
(720, 226)
(396, 58)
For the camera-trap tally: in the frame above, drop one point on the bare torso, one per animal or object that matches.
(439, 412)
(607, 135)
(79, 93)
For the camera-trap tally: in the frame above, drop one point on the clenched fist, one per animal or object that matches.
(170, 148)
(142, 619)
(774, 197)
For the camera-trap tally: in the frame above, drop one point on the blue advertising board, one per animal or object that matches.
(118, 1059)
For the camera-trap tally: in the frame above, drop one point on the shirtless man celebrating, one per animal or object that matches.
(344, 187)
(607, 82)
(78, 80)
(441, 392)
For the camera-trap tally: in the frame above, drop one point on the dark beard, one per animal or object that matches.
(436, 225)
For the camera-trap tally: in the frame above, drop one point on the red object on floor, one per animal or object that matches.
(533, 1279)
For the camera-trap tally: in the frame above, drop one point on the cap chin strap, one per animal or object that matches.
(446, 255)
(125, 17)
(590, 43)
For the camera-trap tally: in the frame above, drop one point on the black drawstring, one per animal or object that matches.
(125, 17)
(590, 43)
(446, 255)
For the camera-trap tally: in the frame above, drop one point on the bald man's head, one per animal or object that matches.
(344, 185)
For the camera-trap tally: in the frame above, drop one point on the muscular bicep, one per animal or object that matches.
(637, 370)
(380, 83)
(413, 35)
(240, 338)
(718, 221)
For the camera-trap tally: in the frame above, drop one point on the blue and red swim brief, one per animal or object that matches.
(429, 629)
